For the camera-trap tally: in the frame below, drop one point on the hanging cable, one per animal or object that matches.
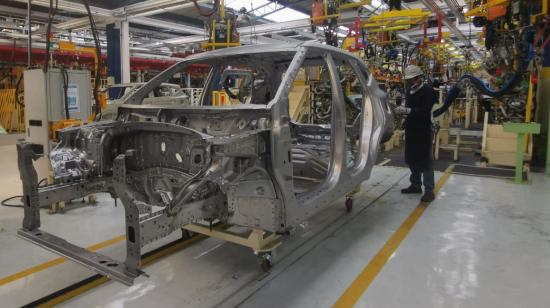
(99, 67)
(65, 77)
(17, 87)
(207, 13)
(51, 14)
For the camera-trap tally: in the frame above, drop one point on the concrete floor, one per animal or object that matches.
(482, 243)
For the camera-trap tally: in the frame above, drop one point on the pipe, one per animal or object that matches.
(478, 84)
(66, 57)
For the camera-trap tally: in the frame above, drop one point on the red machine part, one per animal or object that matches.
(317, 13)
(356, 30)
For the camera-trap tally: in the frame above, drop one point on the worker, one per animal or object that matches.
(419, 100)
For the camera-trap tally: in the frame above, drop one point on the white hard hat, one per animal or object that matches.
(413, 71)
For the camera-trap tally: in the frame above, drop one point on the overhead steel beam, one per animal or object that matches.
(141, 9)
(416, 32)
(406, 38)
(275, 26)
(455, 10)
(12, 11)
(430, 4)
(71, 7)
(277, 8)
(147, 21)
(166, 25)
(152, 7)
(104, 15)
(247, 31)
(282, 38)
(292, 5)
(267, 4)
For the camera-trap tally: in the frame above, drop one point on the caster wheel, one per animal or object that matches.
(186, 234)
(349, 204)
(92, 200)
(266, 262)
(483, 162)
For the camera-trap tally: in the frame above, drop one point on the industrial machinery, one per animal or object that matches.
(247, 165)
(222, 28)
(325, 14)
(57, 96)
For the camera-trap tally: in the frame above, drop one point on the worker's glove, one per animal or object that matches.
(401, 110)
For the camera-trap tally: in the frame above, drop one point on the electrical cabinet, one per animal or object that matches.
(45, 104)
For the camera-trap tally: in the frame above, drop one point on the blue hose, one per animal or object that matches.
(526, 49)
(481, 86)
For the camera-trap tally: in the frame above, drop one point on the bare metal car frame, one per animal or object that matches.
(173, 166)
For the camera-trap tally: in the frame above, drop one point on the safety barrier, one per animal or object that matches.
(11, 113)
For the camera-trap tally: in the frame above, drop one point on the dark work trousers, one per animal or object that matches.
(427, 175)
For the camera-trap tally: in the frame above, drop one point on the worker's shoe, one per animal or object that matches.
(428, 196)
(412, 190)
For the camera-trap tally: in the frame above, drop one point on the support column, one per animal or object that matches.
(468, 107)
(542, 143)
(29, 45)
(125, 50)
(118, 54)
(113, 58)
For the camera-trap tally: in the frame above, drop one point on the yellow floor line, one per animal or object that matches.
(144, 262)
(57, 261)
(354, 292)
(74, 293)
(384, 162)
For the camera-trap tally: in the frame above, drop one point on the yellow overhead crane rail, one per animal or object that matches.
(352, 5)
(341, 7)
(395, 20)
(483, 9)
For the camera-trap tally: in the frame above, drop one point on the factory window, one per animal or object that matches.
(230, 85)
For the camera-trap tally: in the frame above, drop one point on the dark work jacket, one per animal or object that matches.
(418, 128)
